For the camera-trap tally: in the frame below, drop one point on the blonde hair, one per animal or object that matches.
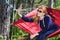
(36, 18)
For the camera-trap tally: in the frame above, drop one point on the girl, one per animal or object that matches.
(45, 22)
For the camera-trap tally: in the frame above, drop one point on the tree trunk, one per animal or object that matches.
(4, 19)
(50, 3)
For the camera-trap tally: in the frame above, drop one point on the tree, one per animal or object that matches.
(50, 3)
(4, 19)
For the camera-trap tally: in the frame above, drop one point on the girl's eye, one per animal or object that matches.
(40, 11)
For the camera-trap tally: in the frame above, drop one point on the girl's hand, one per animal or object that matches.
(34, 35)
(19, 10)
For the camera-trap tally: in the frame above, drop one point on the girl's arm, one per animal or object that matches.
(22, 16)
(27, 19)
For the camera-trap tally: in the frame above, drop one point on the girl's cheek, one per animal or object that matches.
(40, 15)
(44, 14)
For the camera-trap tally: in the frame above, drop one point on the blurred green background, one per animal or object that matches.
(27, 6)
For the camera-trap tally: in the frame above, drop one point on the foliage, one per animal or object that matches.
(58, 7)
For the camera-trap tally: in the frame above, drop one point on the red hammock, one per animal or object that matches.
(29, 27)
(55, 14)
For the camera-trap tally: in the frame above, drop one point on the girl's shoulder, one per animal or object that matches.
(47, 17)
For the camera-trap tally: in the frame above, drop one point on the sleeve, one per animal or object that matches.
(27, 19)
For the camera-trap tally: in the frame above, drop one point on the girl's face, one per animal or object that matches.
(41, 13)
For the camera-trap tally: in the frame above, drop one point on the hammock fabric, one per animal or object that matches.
(55, 14)
(30, 28)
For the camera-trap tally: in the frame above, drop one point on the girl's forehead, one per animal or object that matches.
(40, 9)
